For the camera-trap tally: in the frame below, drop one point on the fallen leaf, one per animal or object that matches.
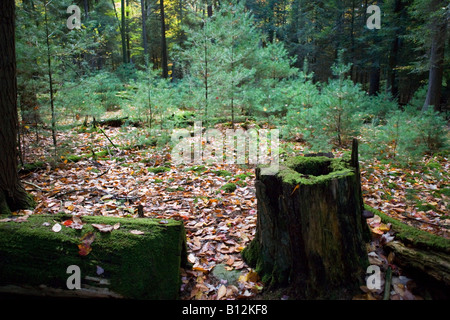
(84, 249)
(100, 270)
(192, 258)
(222, 292)
(103, 227)
(137, 232)
(67, 222)
(88, 238)
(77, 219)
(56, 227)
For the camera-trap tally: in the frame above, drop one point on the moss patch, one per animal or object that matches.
(157, 170)
(138, 266)
(229, 187)
(314, 170)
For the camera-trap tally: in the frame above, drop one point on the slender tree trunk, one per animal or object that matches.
(393, 57)
(127, 31)
(209, 8)
(165, 68)
(122, 33)
(206, 74)
(374, 85)
(12, 194)
(352, 40)
(49, 63)
(439, 28)
(392, 75)
(86, 8)
(144, 29)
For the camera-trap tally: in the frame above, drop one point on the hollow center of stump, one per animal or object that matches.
(313, 167)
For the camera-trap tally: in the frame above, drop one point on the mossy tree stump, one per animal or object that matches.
(137, 265)
(310, 232)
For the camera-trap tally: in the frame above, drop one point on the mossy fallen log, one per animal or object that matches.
(424, 254)
(413, 236)
(425, 262)
(137, 265)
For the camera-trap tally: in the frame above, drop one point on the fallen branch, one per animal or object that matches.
(423, 261)
(32, 184)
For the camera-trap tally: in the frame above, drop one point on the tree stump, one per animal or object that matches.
(310, 232)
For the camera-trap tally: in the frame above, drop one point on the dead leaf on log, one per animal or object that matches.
(103, 227)
(137, 232)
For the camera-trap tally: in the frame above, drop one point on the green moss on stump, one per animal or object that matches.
(137, 266)
(314, 170)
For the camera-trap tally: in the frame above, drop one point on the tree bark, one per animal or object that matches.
(393, 56)
(310, 232)
(12, 194)
(439, 28)
(165, 68)
(122, 33)
(86, 8)
(374, 85)
(433, 264)
(144, 29)
(128, 31)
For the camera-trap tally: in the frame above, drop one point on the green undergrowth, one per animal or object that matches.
(157, 170)
(229, 187)
(411, 235)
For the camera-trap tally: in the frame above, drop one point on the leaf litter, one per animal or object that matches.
(218, 224)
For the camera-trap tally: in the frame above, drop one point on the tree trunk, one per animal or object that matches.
(431, 263)
(122, 33)
(209, 8)
(12, 195)
(393, 56)
(374, 85)
(86, 9)
(127, 31)
(310, 232)
(144, 30)
(165, 68)
(436, 72)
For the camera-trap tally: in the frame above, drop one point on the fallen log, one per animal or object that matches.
(138, 259)
(433, 264)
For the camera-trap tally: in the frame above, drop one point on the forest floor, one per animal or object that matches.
(219, 221)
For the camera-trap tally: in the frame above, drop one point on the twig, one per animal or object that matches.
(109, 139)
(32, 184)
(387, 284)
(103, 173)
